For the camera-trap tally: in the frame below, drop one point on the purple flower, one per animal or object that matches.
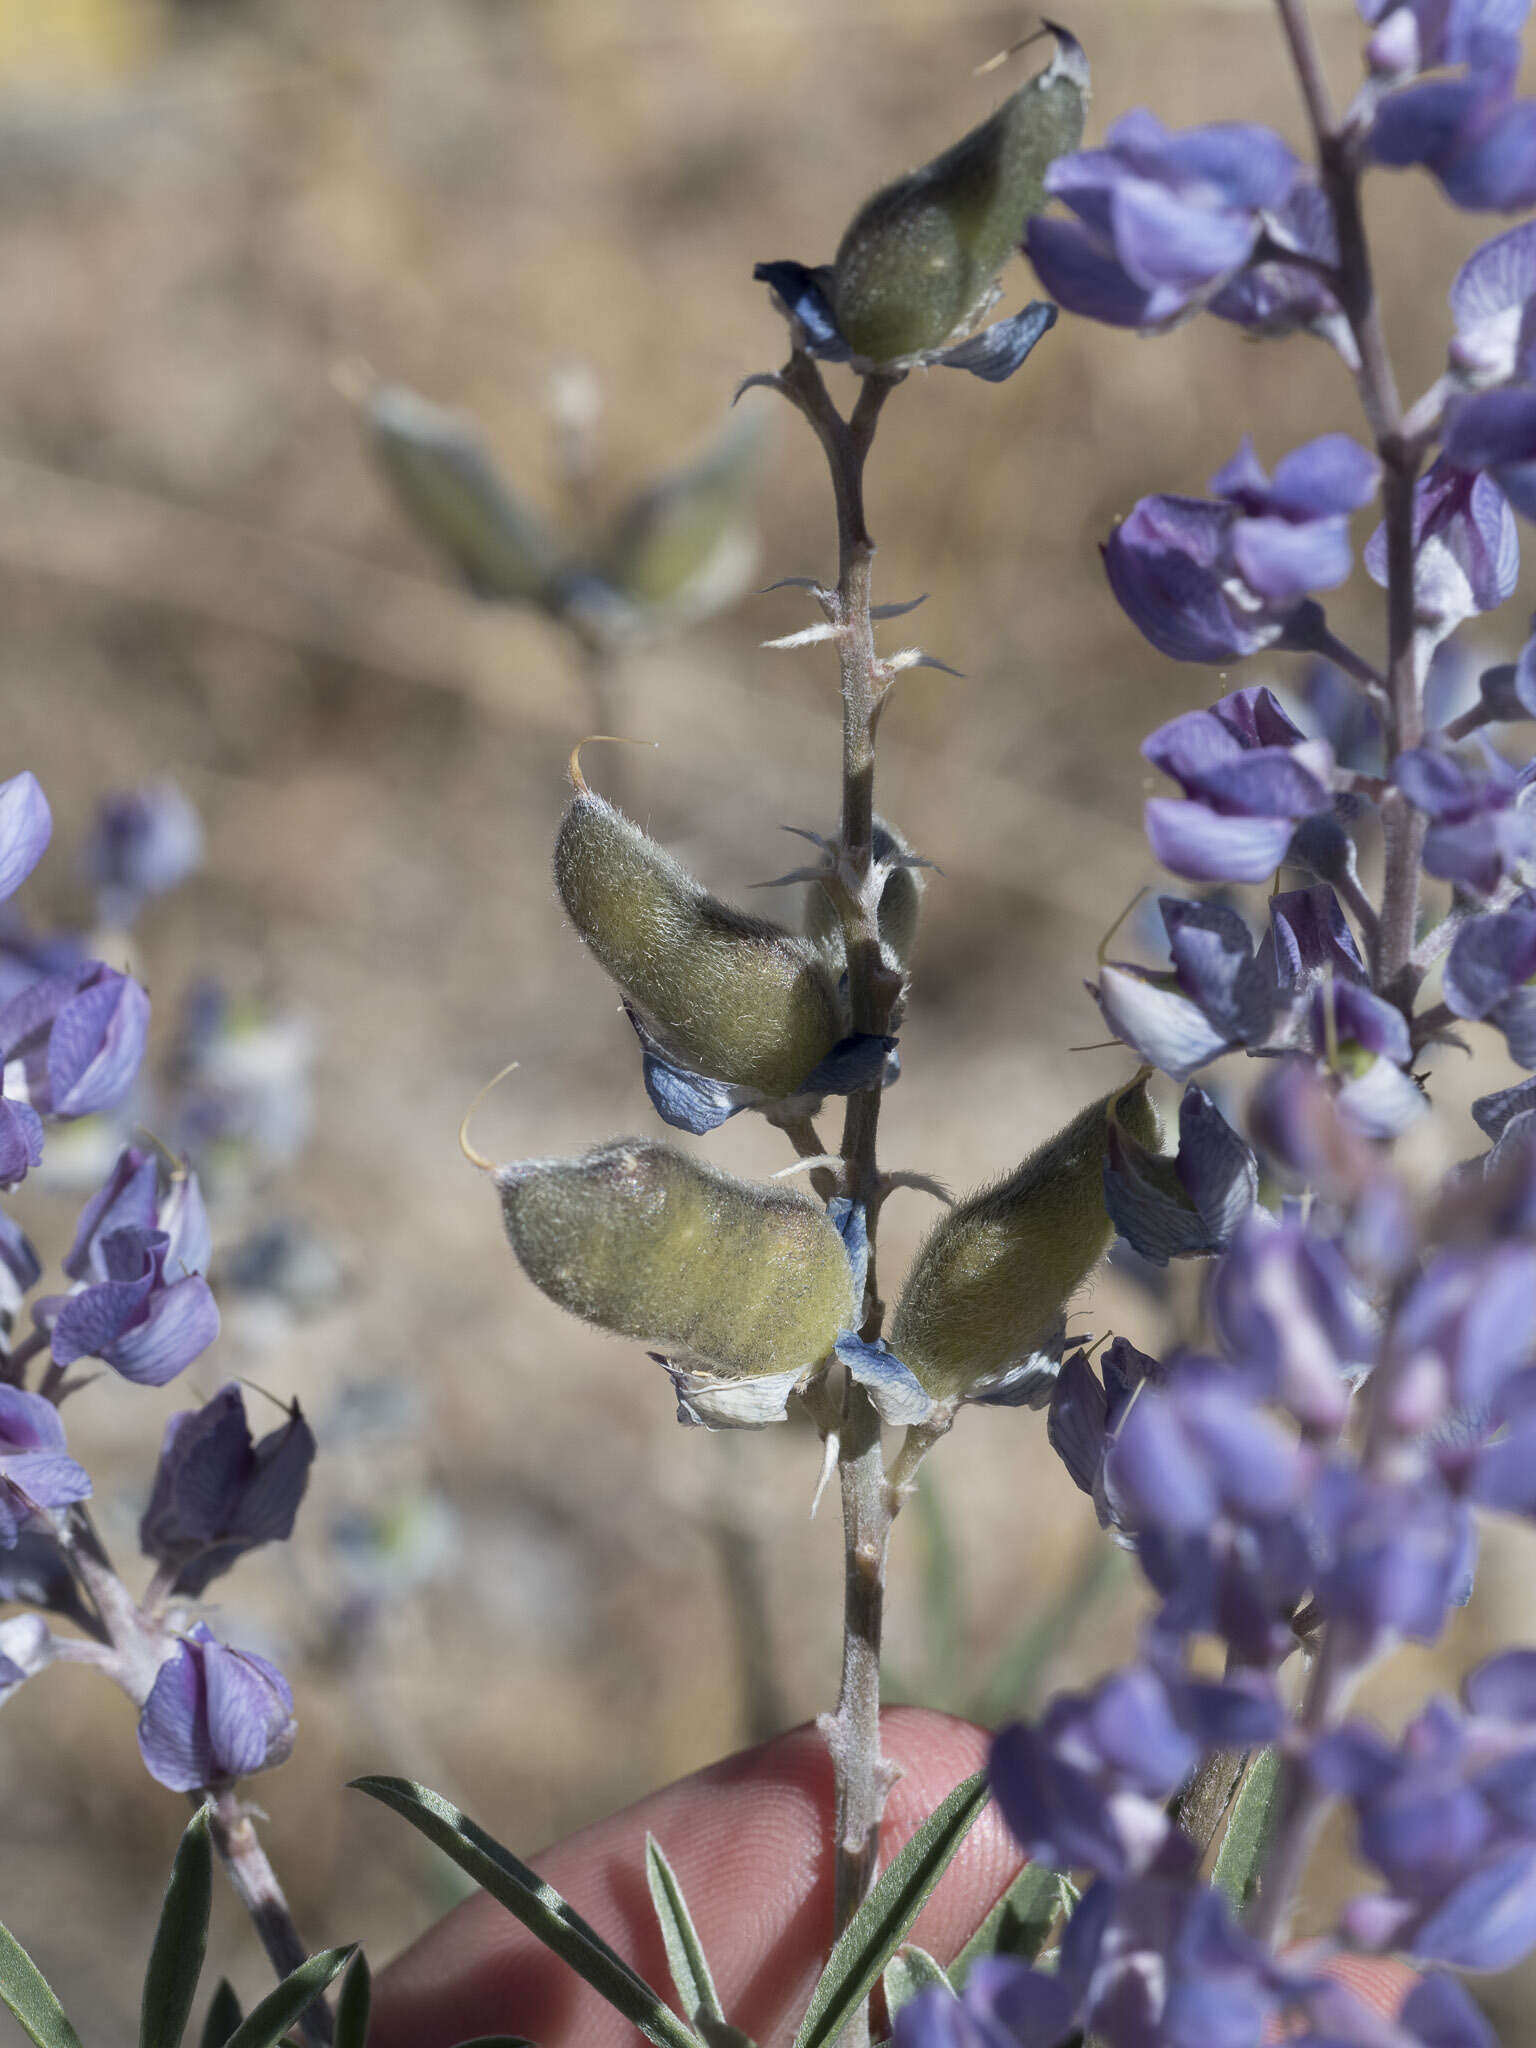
(1249, 777)
(1449, 1818)
(1421, 34)
(1287, 1307)
(1490, 302)
(1471, 132)
(1490, 973)
(1365, 1042)
(1187, 1206)
(35, 1470)
(1494, 434)
(218, 1494)
(1159, 1965)
(1466, 548)
(26, 825)
(146, 842)
(1217, 995)
(1089, 1785)
(1480, 831)
(1211, 581)
(79, 1036)
(1308, 939)
(1004, 2004)
(1162, 220)
(1465, 1327)
(1392, 1556)
(214, 1714)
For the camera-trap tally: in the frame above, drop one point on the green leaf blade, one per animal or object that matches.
(27, 1994)
(181, 1940)
(1245, 1845)
(875, 1932)
(224, 2015)
(685, 1952)
(270, 2018)
(353, 2004)
(536, 1904)
(1020, 1922)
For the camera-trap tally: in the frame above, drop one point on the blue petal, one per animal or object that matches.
(852, 1228)
(893, 1387)
(805, 301)
(25, 827)
(688, 1102)
(995, 353)
(861, 1060)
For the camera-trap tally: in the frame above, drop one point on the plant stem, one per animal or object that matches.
(256, 1886)
(1402, 827)
(1302, 1803)
(863, 1777)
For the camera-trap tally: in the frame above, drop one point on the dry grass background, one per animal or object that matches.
(204, 209)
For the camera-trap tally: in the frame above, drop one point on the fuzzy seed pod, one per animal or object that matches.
(900, 902)
(685, 533)
(445, 479)
(919, 259)
(989, 1283)
(737, 1281)
(733, 997)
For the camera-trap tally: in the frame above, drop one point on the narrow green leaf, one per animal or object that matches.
(1249, 1828)
(537, 1904)
(224, 2015)
(181, 1940)
(1020, 1921)
(685, 1952)
(353, 2003)
(26, 1991)
(718, 2034)
(270, 2018)
(870, 1939)
(910, 1971)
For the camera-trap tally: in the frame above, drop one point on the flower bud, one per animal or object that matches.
(443, 475)
(214, 1714)
(919, 259)
(731, 1280)
(683, 541)
(733, 997)
(989, 1283)
(901, 900)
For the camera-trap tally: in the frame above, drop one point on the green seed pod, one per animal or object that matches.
(683, 541)
(919, 259)
(735, 997)
(900, 902)
(446, 481)
(990, 1281)
(730, 1281)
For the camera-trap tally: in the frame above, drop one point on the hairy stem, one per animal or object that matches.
(255, 1884)
(863, 1778)
(1401, 454)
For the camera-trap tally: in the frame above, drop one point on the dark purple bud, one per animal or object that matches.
(35, 1469)
(1308, 938)
(1213, 960)
(1466, 548)
(26, 825)
(214, 1714)
(79, 1036)
(34, 1570)
(218, 1494)
(1186, 1206)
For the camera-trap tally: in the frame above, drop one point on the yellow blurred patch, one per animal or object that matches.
(70, 42)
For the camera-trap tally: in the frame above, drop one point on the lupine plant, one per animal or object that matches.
(1300, 1480)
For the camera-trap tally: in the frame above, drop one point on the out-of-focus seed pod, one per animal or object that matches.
(901, 900)
(919, 259)
(989, 1283)
(684, 541)
(733, 997)
(446, 481)
(639, 1238)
